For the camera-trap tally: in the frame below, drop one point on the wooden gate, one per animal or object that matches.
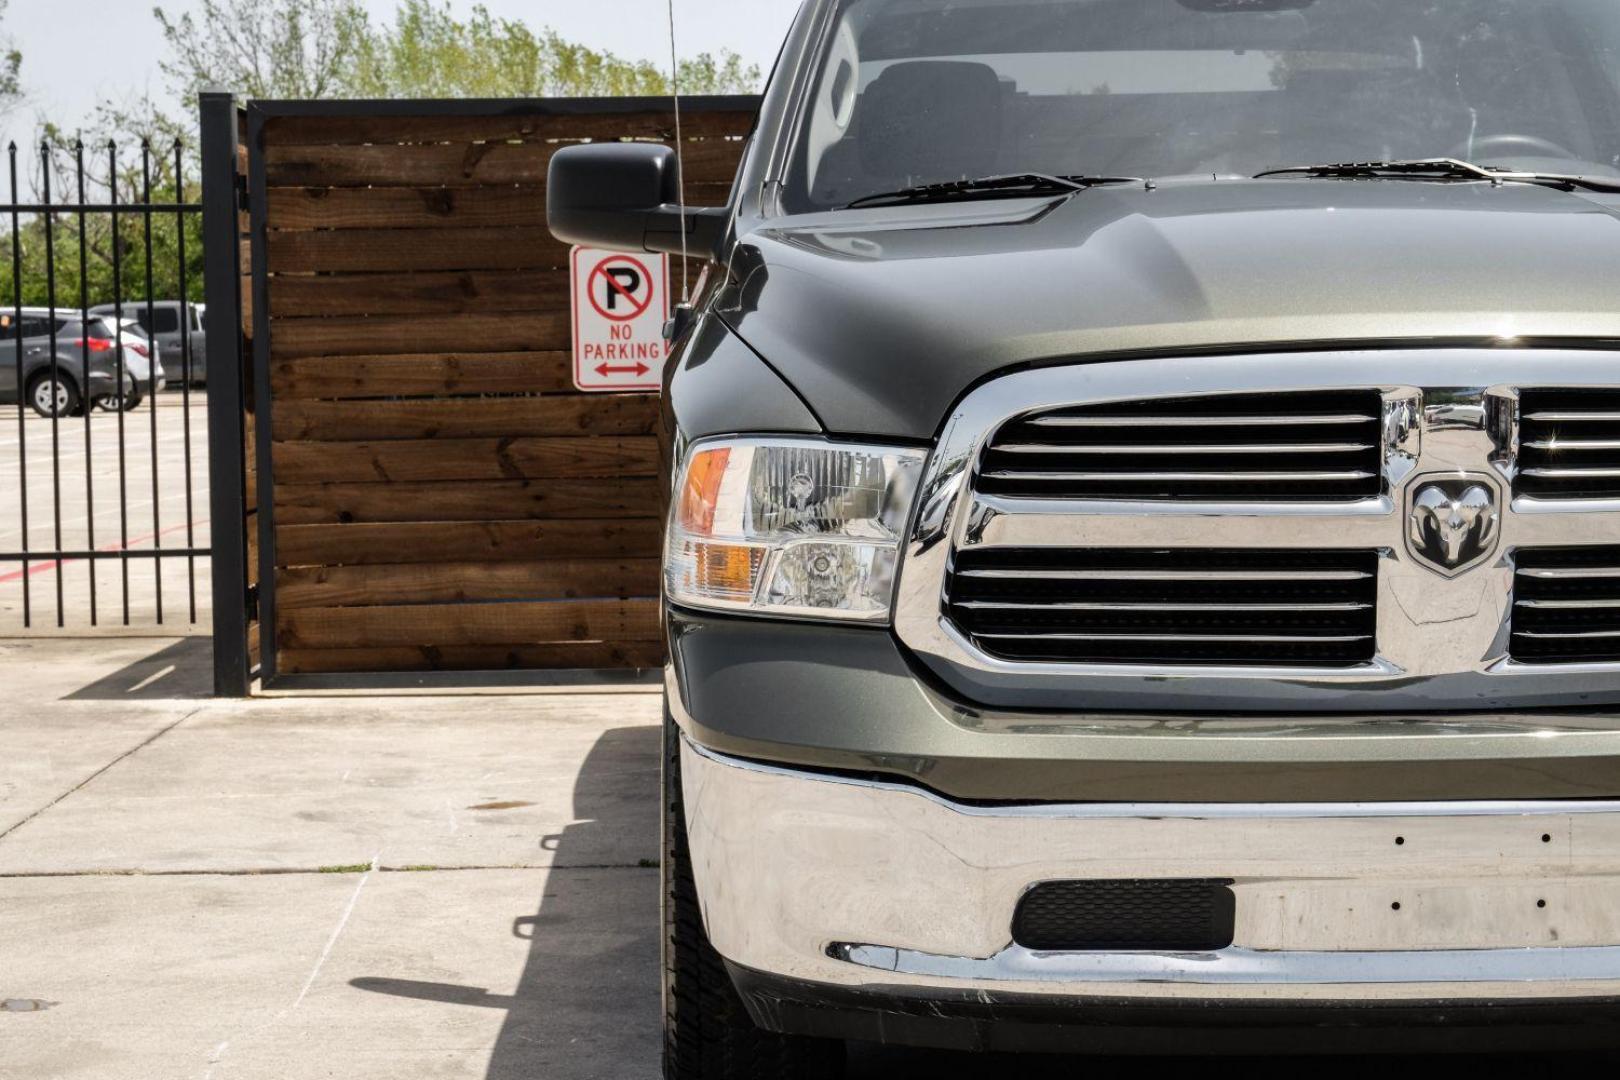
(435, 494)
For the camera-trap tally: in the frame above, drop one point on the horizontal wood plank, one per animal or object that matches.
(563, 656)
(465, 459)
(515, 125)
(517, 332)
(407, 208)
(441, 583)
(466, 541)
(456, 293)
(466, 418)
(481, 500)
(514, 206)
(402, 250)
(420, 374)
(469, 624)
(458, 164)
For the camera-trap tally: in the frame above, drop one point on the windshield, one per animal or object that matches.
(924, 91)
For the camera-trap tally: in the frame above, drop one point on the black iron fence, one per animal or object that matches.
(101, 363)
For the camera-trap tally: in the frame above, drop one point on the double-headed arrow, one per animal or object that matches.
(605, 370)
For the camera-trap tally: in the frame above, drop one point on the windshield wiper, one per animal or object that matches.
(1013, 185)
(1443, 169)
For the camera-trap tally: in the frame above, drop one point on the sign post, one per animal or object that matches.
(621, 303)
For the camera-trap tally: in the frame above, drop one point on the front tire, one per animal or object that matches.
(111, 403)
(53, 396)
(707, 1031)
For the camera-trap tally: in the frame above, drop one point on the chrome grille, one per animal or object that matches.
(1137, 606)
(1321, 446)
(1569, 444)
(1100, 589)
(1566, 606)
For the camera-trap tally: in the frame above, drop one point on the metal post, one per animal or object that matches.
(258, 187)
(222, 285)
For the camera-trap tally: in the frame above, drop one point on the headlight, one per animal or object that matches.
(790, 527)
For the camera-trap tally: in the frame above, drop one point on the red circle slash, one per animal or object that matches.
(637, 307)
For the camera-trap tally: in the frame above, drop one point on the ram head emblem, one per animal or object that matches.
(1454, 524)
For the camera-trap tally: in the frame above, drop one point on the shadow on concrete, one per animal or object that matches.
(183, 670)
(590, 982)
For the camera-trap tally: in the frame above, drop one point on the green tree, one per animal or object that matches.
(98, 256)
(428, 52)
(10, 70)
(264, 48)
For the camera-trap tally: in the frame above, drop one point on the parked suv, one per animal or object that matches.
(1144, 552)
(179, 329)
(85, 364)
(143, 370)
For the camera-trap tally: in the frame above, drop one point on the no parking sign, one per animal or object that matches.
(621, 303)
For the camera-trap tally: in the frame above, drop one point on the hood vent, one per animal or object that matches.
(1320, 446)
(1569, 444)
(1224, 608)
(1566, 606)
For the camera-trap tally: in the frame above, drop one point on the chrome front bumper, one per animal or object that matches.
(870, 885)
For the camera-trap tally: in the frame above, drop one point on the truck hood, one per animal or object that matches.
(881, 319)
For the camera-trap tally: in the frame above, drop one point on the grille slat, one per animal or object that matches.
(1174, 575)
(1566, 606)
(1324, 445)
(1252, 420)
(1569, 444)
(1211, 448)
(1251, 607)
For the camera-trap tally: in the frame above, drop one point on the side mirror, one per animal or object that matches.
(626, 197)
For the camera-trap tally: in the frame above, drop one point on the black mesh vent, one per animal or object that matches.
(1322, 446)
(1193, 915)
(1250, 608)
(1566, 605)
(1569, 444)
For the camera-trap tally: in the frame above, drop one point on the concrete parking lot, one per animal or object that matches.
(353, 887)
(87, 496)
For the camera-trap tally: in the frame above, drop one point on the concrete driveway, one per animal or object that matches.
(357, 888)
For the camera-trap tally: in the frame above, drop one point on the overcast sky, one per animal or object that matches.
(78, 52)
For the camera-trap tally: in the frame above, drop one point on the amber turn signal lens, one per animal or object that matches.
(701, 495)
(728, 571)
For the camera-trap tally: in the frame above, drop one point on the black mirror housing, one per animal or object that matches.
(626, 197)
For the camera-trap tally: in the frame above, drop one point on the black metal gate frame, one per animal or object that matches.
(30, 558)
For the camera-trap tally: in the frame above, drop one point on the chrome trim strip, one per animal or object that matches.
(1212, 448)
(1174, 575)
(1548, 635)
(1213, 476)
(1251, 967)
(1573, 473)
(1576, 417)
(1442, 641)
(1574, 573)
(1219, 639)
(1568, 605)
(1196, 421)
(1235, 606)
(1574, 444)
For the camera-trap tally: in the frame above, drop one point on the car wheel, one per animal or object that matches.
(113, 404)
(53, 395)
(707, 1031)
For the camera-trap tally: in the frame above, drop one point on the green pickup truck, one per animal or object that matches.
(1143, 566)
